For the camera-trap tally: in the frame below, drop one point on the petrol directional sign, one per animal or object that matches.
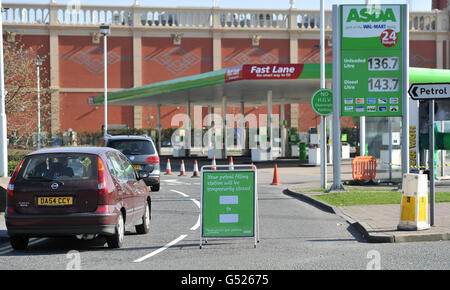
(430, 91)
(371, 60)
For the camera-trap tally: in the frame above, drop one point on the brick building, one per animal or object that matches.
(152, 44)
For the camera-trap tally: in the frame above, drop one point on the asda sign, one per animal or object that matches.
(379, 26)
(371, 60)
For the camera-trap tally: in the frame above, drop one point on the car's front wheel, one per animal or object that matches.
(116, 240)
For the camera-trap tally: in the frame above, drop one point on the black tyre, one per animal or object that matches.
(19, 242)
(155, 187)
(145, 226)
(116, 240)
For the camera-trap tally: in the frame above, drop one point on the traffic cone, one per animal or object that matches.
(213, 164)
(182, 170)
(196, 173)
(252, 167)
(231, 165)
(168, 168)
(275, 176)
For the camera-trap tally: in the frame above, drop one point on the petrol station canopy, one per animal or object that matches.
(248, 83)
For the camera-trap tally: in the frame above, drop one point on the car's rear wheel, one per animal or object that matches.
(19, 242)
(116, 240)
(145, 226)
(155, 187)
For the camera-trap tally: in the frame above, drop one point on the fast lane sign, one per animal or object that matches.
(429, 91)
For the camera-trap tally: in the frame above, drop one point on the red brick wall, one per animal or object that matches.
(309, 51)
(75, 113)
(241, 51)
(422, 53)
(162, 60)
(81, 62)
(81, 66)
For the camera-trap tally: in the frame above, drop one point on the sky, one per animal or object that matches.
(415, 5)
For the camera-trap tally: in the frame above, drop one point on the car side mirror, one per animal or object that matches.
(143, 174)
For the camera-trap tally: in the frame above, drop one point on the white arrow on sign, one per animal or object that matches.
(429, 91)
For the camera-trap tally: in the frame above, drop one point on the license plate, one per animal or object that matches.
(137, 167)
(55, 200)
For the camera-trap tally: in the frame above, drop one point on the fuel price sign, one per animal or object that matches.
(371, 60)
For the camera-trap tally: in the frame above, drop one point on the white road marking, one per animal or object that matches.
(160, 249)
(197, 225)
(194, 227)
(179, 192)
(197, 203)
(175, 182)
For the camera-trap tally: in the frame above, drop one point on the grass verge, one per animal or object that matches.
(355, 196)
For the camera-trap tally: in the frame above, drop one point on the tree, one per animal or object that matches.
(20, 73)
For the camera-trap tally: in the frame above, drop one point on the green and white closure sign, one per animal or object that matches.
(229, 202)
(371, 60)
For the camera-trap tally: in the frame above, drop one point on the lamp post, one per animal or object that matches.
(38, 63)
(105, 31)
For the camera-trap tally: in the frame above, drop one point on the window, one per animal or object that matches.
(129, 169)
(133, 147)
(60, 167)
(120, 167)
(115, 167)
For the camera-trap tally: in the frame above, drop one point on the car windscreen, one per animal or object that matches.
(65, 167)
(133, 147)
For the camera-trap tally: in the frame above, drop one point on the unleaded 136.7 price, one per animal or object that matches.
(383, 63)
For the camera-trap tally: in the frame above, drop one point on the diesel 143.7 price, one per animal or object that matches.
(383, 84)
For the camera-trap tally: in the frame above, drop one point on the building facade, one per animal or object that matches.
(153, 44)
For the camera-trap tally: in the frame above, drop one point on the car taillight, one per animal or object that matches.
(102, 189)
(103, 209)
(13, 179)
(152, 159)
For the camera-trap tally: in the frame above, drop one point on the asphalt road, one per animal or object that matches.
(293, 235)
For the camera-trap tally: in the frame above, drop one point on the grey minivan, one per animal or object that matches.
(142, 153)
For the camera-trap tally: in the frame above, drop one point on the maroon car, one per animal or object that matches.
(82, 191)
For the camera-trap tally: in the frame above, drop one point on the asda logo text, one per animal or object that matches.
(371, 15)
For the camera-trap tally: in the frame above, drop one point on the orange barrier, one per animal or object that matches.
(364, 167)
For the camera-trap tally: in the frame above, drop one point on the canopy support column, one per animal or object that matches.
(188, 129)
(269, 122)
(243, 133)
(158, 116)
(224, 126)
(283, 131)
